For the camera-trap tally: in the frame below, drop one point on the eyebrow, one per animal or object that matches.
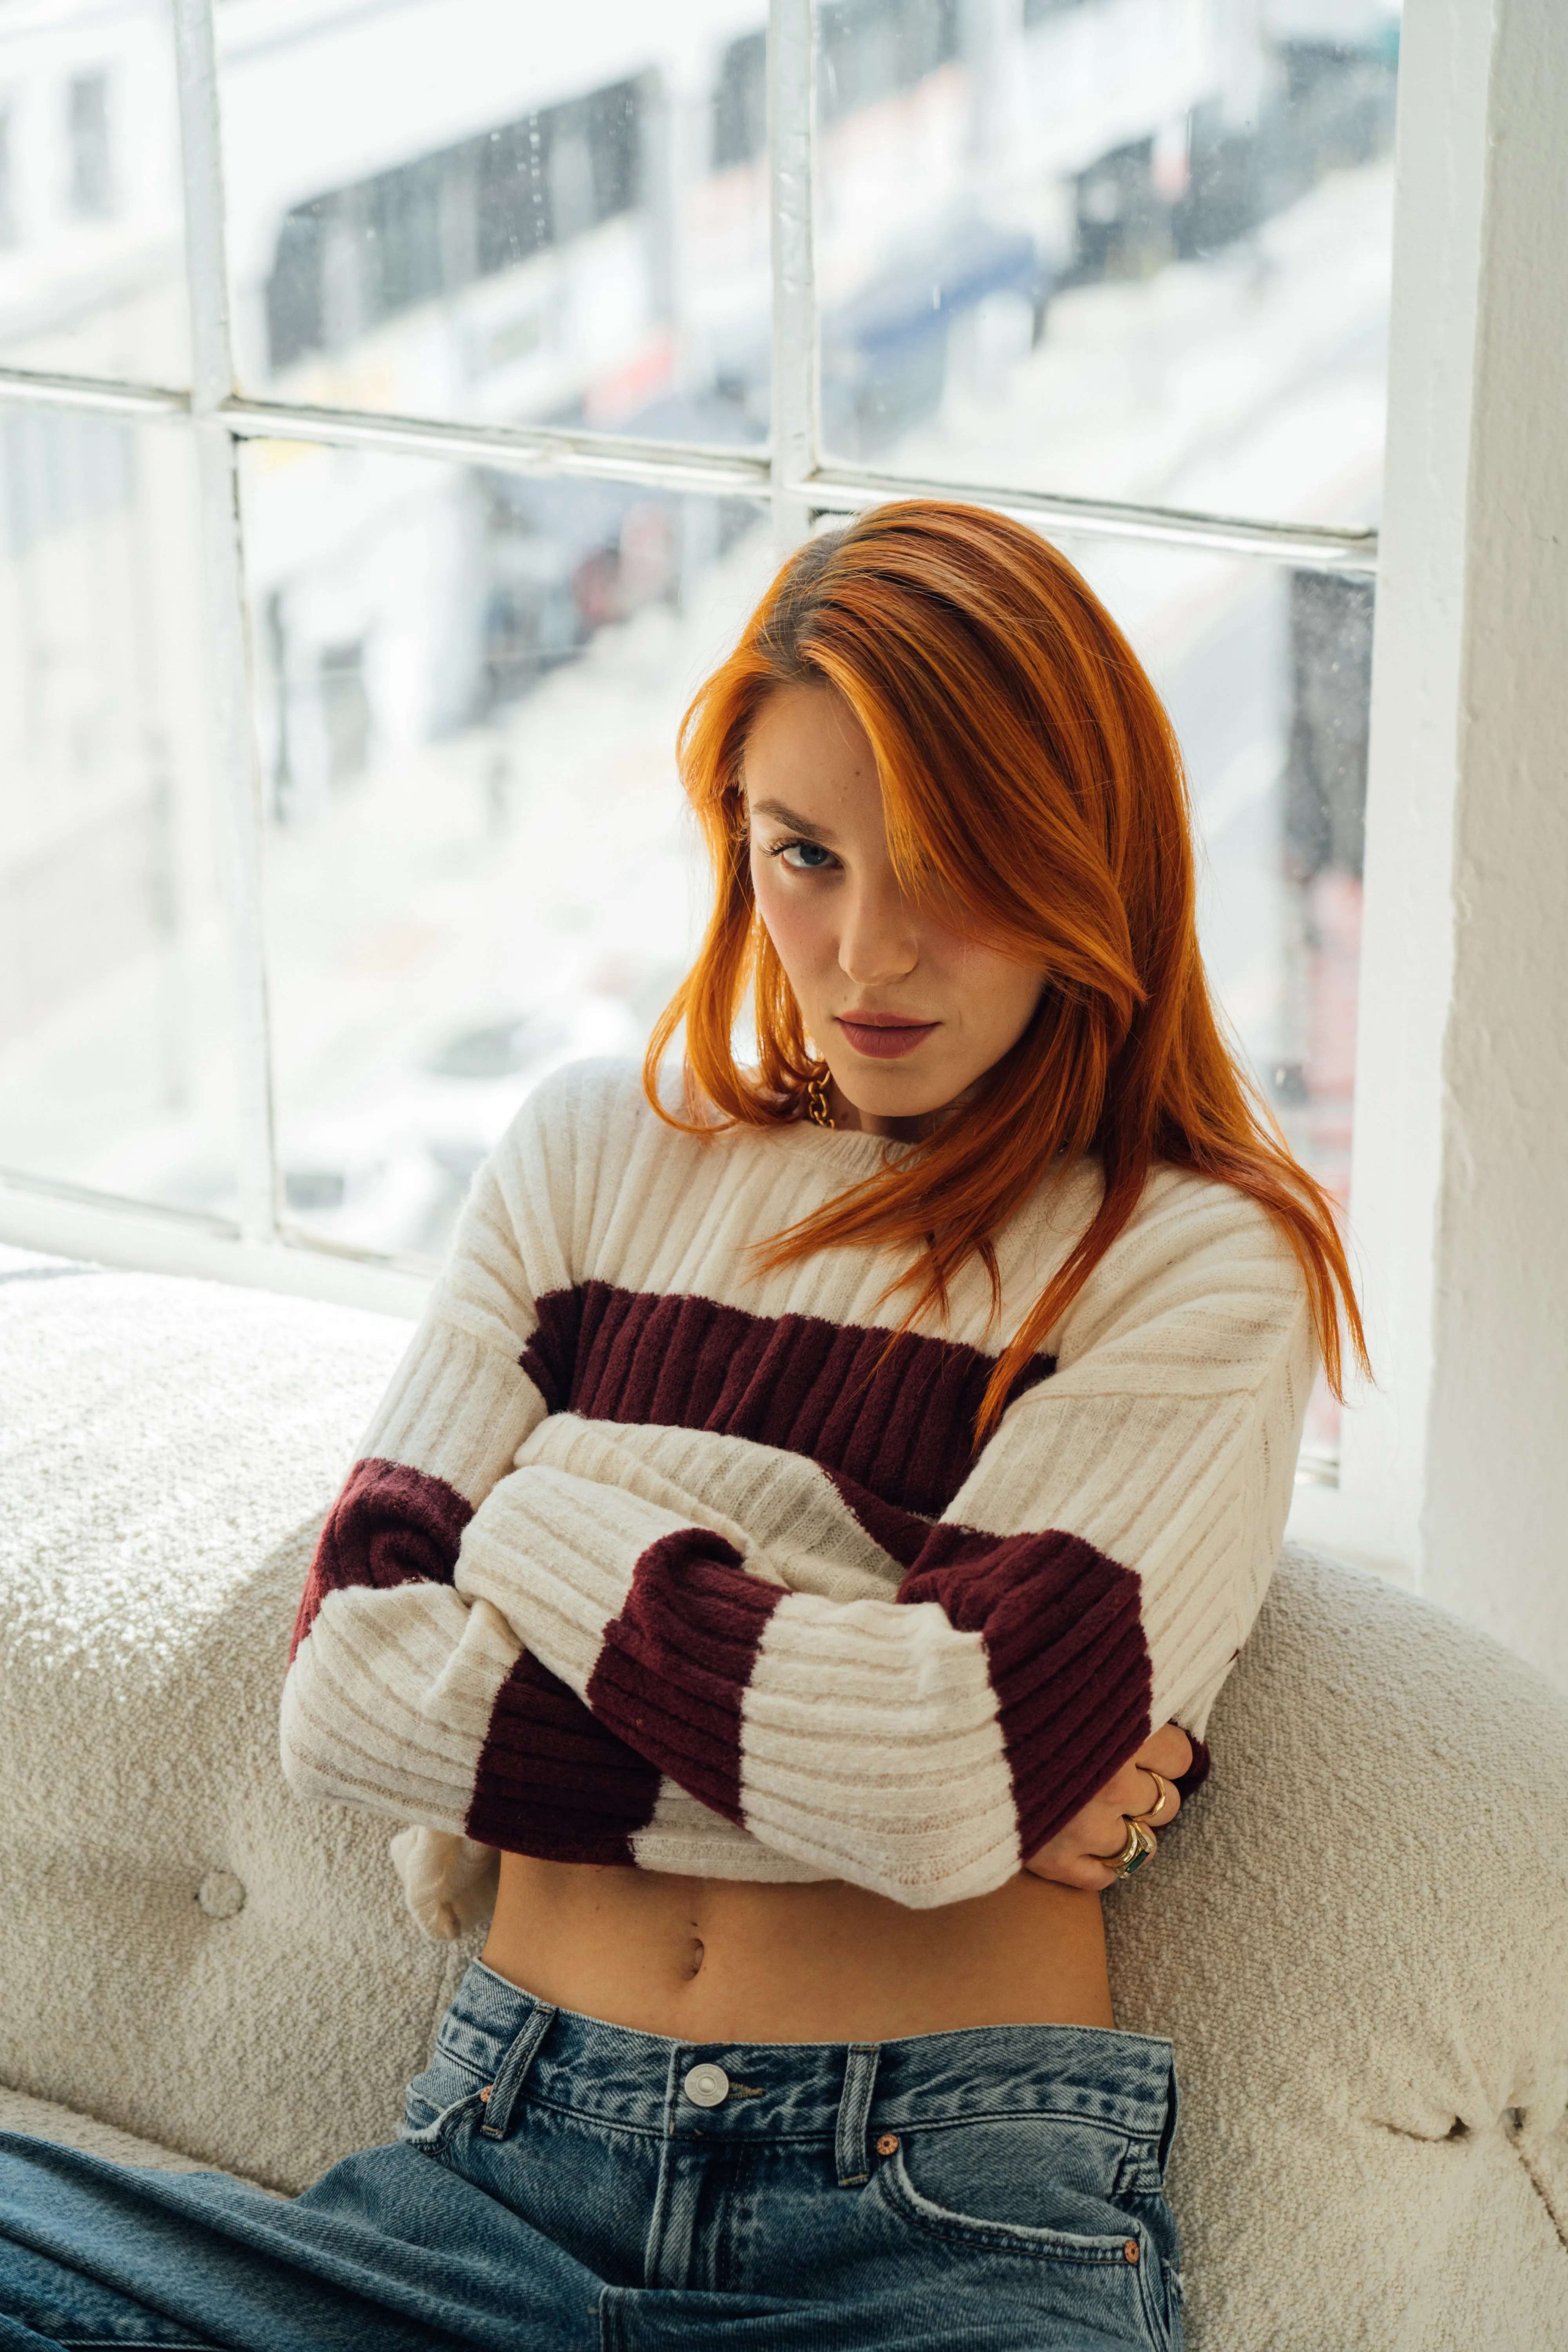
(788, 816)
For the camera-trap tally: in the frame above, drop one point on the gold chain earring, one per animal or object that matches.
(816, 1098)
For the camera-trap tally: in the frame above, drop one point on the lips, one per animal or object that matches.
(882, 1036)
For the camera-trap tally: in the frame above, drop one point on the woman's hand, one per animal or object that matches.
(1081, 1854)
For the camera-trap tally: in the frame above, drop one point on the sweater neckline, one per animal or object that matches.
(841, 1146)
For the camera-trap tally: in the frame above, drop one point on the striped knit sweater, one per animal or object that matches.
(651, 1559)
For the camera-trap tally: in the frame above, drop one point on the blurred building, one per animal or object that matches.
(568, 225)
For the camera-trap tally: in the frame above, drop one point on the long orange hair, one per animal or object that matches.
(1027, 767)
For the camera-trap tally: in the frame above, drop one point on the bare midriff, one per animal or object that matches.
(713, 1959)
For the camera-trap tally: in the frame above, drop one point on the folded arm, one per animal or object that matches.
(1094, 1577)
(920, 1707)
(923, 1745)
(402, 1696)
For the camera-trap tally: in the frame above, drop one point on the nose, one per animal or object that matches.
(878, 941)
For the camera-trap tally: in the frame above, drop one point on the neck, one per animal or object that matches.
(917, 1129)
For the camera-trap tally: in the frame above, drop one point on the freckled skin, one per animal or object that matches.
(725, 1959)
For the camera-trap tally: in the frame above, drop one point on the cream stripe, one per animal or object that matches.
(684, 1837)
(457, 1410)
(389, 1699)
(870, 1746)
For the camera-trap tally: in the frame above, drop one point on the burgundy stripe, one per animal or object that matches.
(903, 1534)
(391, 1525)
(894, 1416)
(673, 1670)
(1069, 1663)
(554, 1783)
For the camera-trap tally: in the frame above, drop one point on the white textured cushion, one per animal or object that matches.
(166, 1452)
(1358, 1937)
(1358, 1940)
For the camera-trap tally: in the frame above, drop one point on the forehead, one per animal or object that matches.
(806, 740)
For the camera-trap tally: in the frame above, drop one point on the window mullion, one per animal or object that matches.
(516, 448)
(103, 394)
(850, 489)
(678, 466)
(237, 779)
(790, 76)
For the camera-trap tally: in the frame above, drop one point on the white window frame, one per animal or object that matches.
(1408, 925)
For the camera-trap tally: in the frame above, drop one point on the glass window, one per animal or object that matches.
(1265, 670)
(549, 216)
(1125, 249)
(116, 1058)
(477, 864)
(1131, 252)
(93, 267)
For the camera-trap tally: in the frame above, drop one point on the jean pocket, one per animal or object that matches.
(1039, 2203)
(437, 2102)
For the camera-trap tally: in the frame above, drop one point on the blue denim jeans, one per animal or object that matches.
(559, 2184)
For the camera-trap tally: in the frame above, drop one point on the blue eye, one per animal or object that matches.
(804, 857)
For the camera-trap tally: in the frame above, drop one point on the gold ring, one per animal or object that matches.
(1164, 1788)
(1141, 1843)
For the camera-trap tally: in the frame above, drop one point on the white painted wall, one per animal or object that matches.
(1495, 1523)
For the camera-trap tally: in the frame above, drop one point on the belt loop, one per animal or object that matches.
(513, 2073)
(855, 2114)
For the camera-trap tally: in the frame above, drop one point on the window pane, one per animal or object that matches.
(1135, 249)
(92, 270)
(505, 211)
(115, 1049)
(478, 863)
(1266, 674)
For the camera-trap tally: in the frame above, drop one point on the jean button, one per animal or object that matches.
(707, 2086)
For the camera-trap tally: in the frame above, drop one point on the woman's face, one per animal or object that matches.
(906, 1013)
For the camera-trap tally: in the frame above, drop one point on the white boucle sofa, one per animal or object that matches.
(1358, 1937)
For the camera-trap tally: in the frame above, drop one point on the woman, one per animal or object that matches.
(804, 1542)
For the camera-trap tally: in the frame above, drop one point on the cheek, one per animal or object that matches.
(796, 926)
(1005, 995)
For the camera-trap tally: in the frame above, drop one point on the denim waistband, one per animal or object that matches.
(801, 2090)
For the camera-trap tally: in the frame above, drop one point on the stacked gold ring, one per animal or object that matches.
(1141, 1843)
(1164, 1786)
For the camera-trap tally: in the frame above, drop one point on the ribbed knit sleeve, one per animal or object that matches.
(1095, 1574)
(459, 1405)
(402, 1696)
